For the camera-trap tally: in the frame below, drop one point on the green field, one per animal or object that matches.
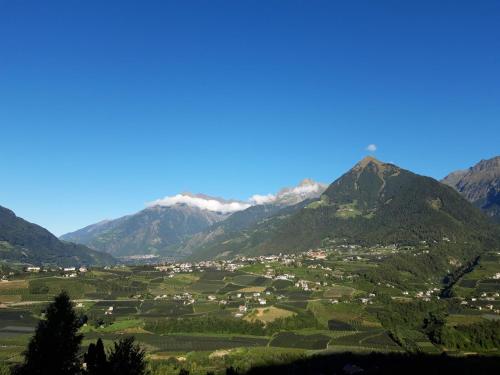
(210, 317)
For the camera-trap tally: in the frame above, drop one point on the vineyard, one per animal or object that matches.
(217, 314)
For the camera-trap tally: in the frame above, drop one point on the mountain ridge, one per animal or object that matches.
(372, 203)
(25, 242)
(149, 231)
(480, 185)
(167, 223)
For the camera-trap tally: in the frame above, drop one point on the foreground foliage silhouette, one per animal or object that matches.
(381, 364)
(95, 359)
(54, 348)
(126, 358)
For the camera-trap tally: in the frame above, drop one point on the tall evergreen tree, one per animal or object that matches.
(127, 358)
(54, 347)
(95, 359)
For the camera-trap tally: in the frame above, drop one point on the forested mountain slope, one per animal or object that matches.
(150, 231)
(373, 203)
(24, 242)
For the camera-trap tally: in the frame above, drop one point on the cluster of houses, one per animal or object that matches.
(241, 261)
(313, 285)
(186, 267)
(427, 295)
(68, 271)
(185, 298)
(484, 302)
(368, 300)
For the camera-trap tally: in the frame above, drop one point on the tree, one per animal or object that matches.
(54, 347)
(95, 359)
(126, 358)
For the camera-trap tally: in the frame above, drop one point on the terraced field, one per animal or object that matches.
(188, 343)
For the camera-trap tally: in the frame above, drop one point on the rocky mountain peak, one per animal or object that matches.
(480, 184)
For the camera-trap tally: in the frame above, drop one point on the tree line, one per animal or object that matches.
(429, 318)
(216, 324)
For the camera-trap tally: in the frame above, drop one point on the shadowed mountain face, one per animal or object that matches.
(480, 185)
(373, 203)
(24, 242)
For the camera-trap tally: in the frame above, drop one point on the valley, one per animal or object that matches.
(250, 311)
(382, 260)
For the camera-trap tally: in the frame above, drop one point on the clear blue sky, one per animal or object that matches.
(106, 105)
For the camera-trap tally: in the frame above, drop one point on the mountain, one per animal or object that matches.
(171, 221)
(287, 199)
(150, 231)
(373, 203)
(306, 189)
(24, 242)
(480, 185)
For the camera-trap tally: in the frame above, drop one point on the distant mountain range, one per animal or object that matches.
(230, 231)
(24, 242)
(373, 203)
(480, 185)
(150, 231)
(166, 223)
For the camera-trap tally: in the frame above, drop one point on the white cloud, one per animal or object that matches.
(305, 189)
(371, 147)
(263, 199)
(203, 203)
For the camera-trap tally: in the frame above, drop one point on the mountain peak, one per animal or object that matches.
(492, 165)
(306, 189)
(375, 166)
(480, 184)
(307, 182)
(367, 160)
(372, 203)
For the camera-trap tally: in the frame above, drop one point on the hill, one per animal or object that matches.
(373, 203)
(24, 242)
(480, 185)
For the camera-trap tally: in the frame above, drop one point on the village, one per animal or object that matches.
(327, 266)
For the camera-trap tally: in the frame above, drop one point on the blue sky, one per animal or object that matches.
(106, 105)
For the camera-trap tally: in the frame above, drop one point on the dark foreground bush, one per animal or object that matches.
(385, 364)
